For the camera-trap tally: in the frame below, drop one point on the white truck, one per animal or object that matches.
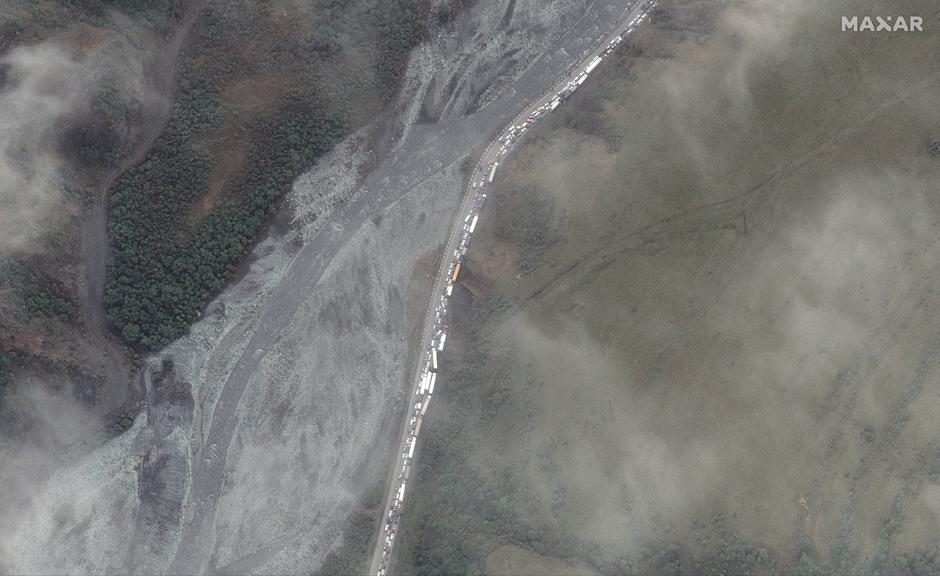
(592, 65)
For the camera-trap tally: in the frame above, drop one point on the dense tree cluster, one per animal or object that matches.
(6, 364)
(158, 13)
(39, 293)
(353, 556)
(401, 26)
(160, 274)
(98, 136)
(164, 266)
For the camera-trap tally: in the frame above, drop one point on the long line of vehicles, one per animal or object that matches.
(429, 373)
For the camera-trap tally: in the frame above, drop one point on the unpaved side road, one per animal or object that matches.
(156, 107)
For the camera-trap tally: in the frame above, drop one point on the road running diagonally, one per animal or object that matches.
(434, 326)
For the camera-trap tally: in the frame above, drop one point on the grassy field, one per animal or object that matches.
(695, 335)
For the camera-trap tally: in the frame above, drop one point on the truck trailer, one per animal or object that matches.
(493, 171)
(592, 65)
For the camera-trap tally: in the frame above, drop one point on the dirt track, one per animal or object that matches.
(155, 113)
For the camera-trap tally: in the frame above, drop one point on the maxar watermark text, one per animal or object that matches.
(883, 24)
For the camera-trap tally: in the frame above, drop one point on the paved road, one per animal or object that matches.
(435, 316)
(188, 539)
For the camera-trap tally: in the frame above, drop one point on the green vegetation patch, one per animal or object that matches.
(170, 254)
(6, 368)
(26, 21)
(353, 556)
(40, 294)
(158, 14)
(159, 276)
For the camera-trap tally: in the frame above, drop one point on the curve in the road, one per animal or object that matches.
(94, 240)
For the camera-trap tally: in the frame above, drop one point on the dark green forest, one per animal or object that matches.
(160, 14)
(163, 269)
(40, 294)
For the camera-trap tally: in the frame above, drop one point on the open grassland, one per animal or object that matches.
(696, 333)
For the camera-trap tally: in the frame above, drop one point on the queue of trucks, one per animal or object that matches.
(428, 378)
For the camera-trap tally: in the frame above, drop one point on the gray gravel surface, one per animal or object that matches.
(284, 405)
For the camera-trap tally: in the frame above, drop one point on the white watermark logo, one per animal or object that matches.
(883, 24)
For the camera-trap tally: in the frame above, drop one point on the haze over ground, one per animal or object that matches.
(695, 332)
(263, 429)
(696, 329)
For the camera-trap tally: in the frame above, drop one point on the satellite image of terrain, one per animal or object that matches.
(451, 287)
